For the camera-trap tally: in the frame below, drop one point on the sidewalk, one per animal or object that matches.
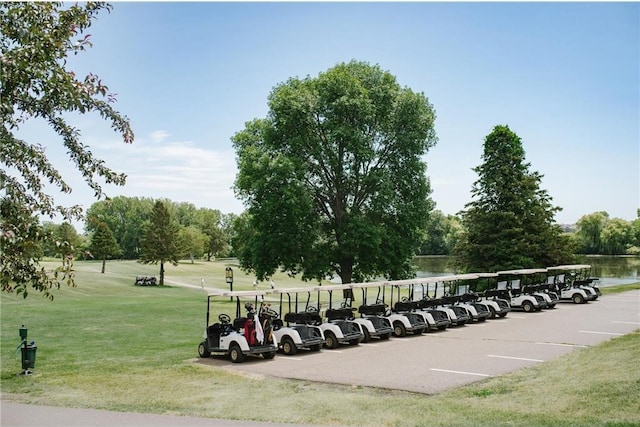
(21, 415)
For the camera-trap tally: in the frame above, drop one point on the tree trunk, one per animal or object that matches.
(161, 273)
(104, 263)
(346, 272)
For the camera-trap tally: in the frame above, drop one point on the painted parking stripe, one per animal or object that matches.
(626, 323)
(601, 333)
(289, 358)
(515, 358)
(461, 372)
(563, 345)
(364, 344)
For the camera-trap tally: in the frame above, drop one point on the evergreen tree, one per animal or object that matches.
(104, 244)
(161, 241)
(510, 221)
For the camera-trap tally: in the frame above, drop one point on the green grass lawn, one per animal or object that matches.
(108, 344)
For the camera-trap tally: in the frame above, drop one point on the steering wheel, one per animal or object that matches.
(343, 304)
(224, 318)
(404, 299)
(311, 309)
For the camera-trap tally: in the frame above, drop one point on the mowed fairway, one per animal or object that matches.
(108, 344)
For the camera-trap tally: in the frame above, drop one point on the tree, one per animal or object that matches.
(617, 236)
(334, 177)
(442, 234)
(208, 221)
(510, 223)
(589, 232)
(125, 217)
(37, 38)
(161, 242)
(103, 245)
(193, 242)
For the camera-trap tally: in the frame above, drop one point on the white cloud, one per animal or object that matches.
(159, 135)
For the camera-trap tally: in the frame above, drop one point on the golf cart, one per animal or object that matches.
(579, 277)
(401, 323)
(532, 282)
(497, 301)
(310, 315)
(372, 320)
(433, 294)
(519, 300)
(301, 330)
(460, 287)
(560, 280)
(342, 317)
(434, 319)
(246, 335)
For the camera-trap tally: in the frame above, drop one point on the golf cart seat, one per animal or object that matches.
(303, 317)
(373, 309)
(401, 306)
(448, 300)
(239, 323)
(340, 313)
(218, 329)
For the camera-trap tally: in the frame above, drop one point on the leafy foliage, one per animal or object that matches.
(37, 38)
(510, 223)
(334, 178)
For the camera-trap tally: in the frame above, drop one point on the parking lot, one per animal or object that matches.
(438, 361)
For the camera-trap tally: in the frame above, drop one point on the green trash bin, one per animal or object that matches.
(28, 357)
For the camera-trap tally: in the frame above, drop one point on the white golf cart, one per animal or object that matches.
(401, 323)
(343, 317)
(560, 280)
(310, 314)
(246, 335)
(434, 292)
(519, 300)
(371, 320)
(584, 280)
(299, 331)
(532, 282)
(485, 287)
(434, 319)
(460, 288)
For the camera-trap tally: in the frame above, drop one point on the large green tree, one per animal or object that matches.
(36, 39)
(589, 232)
(510, 223)
(334, 177)
(161, 242)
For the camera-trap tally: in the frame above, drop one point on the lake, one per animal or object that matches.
(612, 270)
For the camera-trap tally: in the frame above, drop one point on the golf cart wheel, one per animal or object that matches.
(502, 314)
(288, 346)
(399, 329)
(385, 336)
(551, 306)
(492, 312)
(315, 347)
(202, 350)
(269, 355)
(527, 307)
(577, 298)
(367, 335)
(235, 354)
(330, 340)
(354, 341)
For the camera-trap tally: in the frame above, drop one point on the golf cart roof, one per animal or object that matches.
(327, 288)
(369, 284)
(571, 267)
(482, 275)
(241, 294)
(293, 290)
(523, 271)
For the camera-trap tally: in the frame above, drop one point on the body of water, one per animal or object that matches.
(612, 270)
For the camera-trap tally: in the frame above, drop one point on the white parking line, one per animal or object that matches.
(517, 317)
(460, 372)
(515, 358)
(289, 358)
(563, 345)
(626, 323)
(601, 333)
(366, 344)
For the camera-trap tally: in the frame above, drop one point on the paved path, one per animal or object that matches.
(19, 415)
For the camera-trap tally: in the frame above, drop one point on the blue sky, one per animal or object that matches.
(565, 77)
